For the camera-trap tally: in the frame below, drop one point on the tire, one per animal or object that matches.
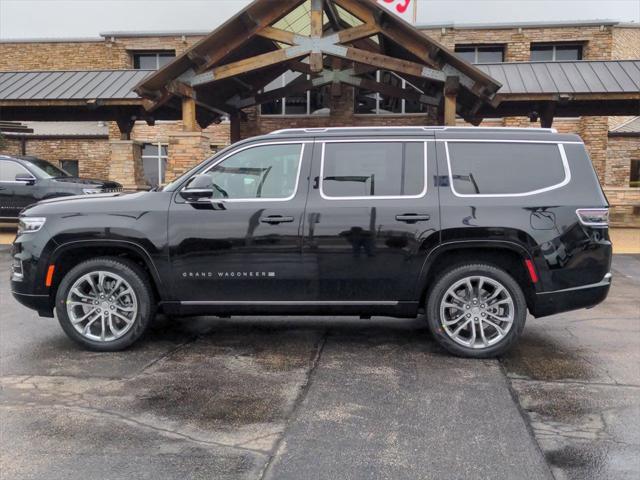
(127, 313)
(453, 289)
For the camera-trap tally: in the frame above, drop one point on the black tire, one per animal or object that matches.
(457, 273)
(132, 274)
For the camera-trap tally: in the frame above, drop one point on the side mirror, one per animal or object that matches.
(26, 178)
(198, 188)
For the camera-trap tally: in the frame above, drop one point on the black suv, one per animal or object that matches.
(27, 180)
(472, 227)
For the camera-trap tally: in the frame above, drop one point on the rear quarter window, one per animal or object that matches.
(495, 168)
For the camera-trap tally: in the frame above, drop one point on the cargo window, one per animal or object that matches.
(375, 169)
(261, 172)
(488, 168)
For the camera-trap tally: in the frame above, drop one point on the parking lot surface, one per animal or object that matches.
(316, 398)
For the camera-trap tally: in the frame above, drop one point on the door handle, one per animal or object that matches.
(276, 219)
(413, 218)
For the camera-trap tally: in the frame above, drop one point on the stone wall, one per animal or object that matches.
(92, 154)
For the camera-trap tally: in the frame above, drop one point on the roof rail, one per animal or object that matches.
(287, 131)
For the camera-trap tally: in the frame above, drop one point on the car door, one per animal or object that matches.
(371, 214)
(14, 194)
(244, 245)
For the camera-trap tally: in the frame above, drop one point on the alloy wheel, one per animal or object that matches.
(477, 312)
(102, 306)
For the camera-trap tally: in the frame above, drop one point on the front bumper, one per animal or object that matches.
(558, 301)
(40, 303)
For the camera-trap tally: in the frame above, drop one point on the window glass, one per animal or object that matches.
(390, 104)
(44, 169)
(634, 180)
(313, 102)
(154, 163)
(468, 53)
(568, 52)
(268, 171)
(490, 55)
(373, 169)
(542, 53)
(504, 168)
(9, 170)
(70, 167)
(152, 60)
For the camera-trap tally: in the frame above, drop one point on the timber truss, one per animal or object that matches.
(332, 42)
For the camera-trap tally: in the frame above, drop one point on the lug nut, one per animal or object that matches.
(468, 315)
(99, 310)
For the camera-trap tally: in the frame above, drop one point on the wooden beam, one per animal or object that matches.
(332, 15)
(277, 35)
(248, 65)
(547, 113)
(235, 131)
(189, 119)
(317, 28)
(357, 9)
(451, 90)
(357, 33)
(125, 125)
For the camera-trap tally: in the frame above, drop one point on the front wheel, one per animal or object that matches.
(476, 311)
(105, 304)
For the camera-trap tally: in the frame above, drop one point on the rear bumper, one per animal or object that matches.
(585, 296)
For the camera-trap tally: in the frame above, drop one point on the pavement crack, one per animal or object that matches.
(304, 390)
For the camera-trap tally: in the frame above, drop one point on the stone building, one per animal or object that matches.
(92, 148)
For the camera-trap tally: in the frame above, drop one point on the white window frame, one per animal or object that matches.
(160, 157)
(301, 144)
(376, 197)
(563, 156)
(378, 97)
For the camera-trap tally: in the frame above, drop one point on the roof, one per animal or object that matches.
(631, 127)
(616, 76)
(503, 26)
(70, 85)
(63, 129)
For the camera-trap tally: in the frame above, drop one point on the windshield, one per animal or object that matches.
(170, 187)
(44, 169)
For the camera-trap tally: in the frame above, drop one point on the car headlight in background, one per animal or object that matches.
(91, 191)
(30, 224)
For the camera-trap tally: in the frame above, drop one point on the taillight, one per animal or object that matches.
(594, 217)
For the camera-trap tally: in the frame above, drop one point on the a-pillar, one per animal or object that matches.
(126, 164)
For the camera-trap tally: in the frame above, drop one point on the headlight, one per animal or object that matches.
(91, 191)
(30, 224)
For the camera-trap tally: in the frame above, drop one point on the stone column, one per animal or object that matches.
(186, 150)
(595, 133)
(126, 164)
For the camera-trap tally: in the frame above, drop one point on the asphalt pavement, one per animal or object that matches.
(323, 398)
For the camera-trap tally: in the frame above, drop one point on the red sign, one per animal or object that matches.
(403, 8)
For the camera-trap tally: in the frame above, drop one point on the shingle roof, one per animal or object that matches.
(617, 76)
(70, 85)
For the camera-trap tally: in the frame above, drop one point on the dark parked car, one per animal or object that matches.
(472, 227)
(27, 180)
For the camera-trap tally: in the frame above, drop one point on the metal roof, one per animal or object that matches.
(616, 76)
(534, 24)
(70, 85)
(632, 126)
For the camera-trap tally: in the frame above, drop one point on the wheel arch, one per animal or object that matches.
(70, 254)
(504, 254)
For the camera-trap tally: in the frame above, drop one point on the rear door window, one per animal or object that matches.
(373, 169)
(505, 169)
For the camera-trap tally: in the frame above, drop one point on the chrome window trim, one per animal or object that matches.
(563, 156)
(302, 145)
(376, 197)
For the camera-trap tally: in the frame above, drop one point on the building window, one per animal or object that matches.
(481, 53)
(71, 167)
(152, 60)
(559, 52)
(374, 103)
(311, 102)
(634, 180)
(154, 163)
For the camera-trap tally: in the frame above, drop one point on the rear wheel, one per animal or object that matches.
(105, 304)
(476, 311)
